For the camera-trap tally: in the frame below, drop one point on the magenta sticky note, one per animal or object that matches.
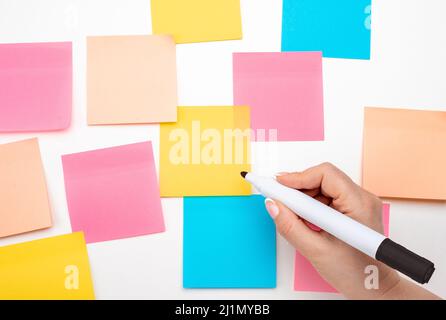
(284, 91)
(113, 193)
(35, 86)
(306, 278)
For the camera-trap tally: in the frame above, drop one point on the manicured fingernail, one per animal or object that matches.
(312, 226)
(272, 208)
(280, 174)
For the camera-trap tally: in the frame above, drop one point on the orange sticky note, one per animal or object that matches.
(24, 203)
(131, 79)
(404, 153)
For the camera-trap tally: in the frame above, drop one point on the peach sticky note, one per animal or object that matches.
(55, 268)
(113, 193)
(404, 153)
(35, 86)
(203, 153)
(306, 278)
(284, 91)
(24, 203)
(197, 20)
(131, 79)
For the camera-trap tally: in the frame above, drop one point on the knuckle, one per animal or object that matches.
(286, 228)
(327, 166)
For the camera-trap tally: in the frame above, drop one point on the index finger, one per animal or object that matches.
(332, 181)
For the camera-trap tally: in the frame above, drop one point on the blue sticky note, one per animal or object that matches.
(338, 28)
(229, 242)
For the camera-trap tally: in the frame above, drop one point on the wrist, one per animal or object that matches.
(389, 279)
(390, 285)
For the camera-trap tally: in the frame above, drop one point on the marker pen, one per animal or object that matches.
(344, 228)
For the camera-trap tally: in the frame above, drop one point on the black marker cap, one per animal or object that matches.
(405, 261)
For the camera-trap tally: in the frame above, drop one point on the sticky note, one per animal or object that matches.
(55, 268)
(306, 278)
(229, 242)
(113, 193)
(131, 79)
(338, 28)
(35, 86)
(205, 151)
(285, 93)
(197, 20)
(404, 153)
(24, 203)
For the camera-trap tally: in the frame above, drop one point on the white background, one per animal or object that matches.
(407, 69)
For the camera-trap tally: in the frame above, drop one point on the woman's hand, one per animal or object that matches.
(338, 263)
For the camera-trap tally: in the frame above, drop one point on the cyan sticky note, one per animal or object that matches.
(229, 242)
(338, 28)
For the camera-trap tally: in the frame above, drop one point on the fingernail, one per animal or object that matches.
(272, 208)
(312, 226)
(280, 174)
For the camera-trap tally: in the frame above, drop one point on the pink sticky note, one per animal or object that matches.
(284, 91)
(386, 218)
(35, 86)
(113, 193)
(306, 278)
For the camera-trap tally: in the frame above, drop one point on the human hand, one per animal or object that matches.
(338, 263)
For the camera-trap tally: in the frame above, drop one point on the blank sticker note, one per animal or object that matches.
(404, 153)
(285, 93)
(113, 193)
(55, 268)
(306, 278)
(205, 151)
(338, 28)
(24, 202)
(229, 242)
(131, 79)
(197, 20)
(35, 86)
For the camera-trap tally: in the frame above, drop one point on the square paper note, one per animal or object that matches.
(306, 278)
(205, 151)
(24, 203)
(404, 153)
(284, 91)
(197, 20)
(50, 269)
(229, 242)
(338, 28)
(113, 193)
(35, 86)
(131, 79)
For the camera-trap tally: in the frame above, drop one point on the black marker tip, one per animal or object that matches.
(243, 174)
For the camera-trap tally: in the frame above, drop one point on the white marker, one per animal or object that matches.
(344, 228)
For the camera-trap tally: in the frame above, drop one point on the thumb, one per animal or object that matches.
(291, 227)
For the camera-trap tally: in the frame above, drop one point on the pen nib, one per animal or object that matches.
(243, 174)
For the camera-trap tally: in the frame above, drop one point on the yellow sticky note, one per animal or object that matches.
(205, 151)
(51, 268)
(404, 153)
(131, 79)
(24, 203)
(197, 20)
